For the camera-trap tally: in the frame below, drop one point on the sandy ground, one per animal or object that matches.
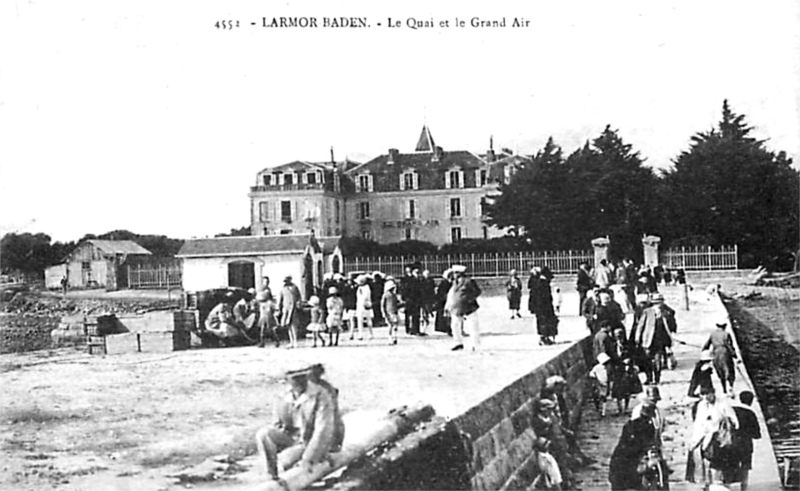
(73, 421)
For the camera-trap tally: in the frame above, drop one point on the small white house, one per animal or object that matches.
(244, 261)
(96, 264)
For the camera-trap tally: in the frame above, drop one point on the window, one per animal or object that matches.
(409, 180)
(364, 183)
(267, 179)
(455, 234)
(263, 211)
(483, 177)
(482, 207)
(287, 179)
(286, 211)
(311, 178)
(366, 235)
(454, 179)
(411, 210)
(485, 233)
(455, 207)
(336, 212)
(408, 234)
(363, 210)
(337, 182)
(285, 232)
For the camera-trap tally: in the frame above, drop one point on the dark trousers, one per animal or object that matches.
(581, 299)
(412, 318)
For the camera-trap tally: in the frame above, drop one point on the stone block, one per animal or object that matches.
(503, 434)
(163, 342)
(483, 451)
(521, 418)
(122, 343)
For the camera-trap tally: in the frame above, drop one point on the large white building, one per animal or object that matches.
(429, 195)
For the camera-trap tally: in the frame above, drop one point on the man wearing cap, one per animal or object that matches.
(304, 426)
(652, 337)
(724, 354)
(464, 308)
(288, 301)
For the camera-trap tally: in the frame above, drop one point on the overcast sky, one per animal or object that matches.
(141, 115)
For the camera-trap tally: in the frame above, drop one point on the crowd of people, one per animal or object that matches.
(352, 304)
(630, 358)
(632, 331)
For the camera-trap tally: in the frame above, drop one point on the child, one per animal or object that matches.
(315, 326)
(389, 308)
(653, 470)
(599, 380)
(335, 311)
(363, 308)
(626, 384)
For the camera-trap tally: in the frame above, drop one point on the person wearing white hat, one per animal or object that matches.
(364, 312)
(598, 377)
(335, 308)
(288, 302)
(463, 303)
(390, 307)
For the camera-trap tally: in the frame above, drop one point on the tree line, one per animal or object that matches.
(727, 188)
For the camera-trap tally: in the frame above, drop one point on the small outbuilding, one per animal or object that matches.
(96, 264)
(244, 261)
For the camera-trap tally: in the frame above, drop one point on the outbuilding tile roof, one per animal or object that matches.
(248, 245)
(118, 246)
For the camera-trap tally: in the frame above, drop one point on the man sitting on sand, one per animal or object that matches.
(304, 427)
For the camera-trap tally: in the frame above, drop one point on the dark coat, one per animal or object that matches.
(637, 435)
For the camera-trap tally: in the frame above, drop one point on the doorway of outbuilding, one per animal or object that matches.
(242, 274)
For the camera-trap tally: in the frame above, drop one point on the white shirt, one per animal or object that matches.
(708, 418)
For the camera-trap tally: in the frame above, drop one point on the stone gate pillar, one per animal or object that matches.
(650, 245)
(601, 246)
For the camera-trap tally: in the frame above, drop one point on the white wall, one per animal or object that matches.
(53, 275)
(207, 273)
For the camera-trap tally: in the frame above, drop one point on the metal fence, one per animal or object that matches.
(702, 258)
(154, 276)
(489, 264)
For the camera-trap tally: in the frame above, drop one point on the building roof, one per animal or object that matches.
(425, 142)
(248, 245)
(423, 161)
(329, 244)
(118, 246)
(302, 165)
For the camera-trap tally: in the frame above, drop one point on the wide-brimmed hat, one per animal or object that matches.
(333, 290)
(458, 268)
(314, 300)
(554, 380)
(297, 371)
(656, 297)
(603, 358)
(362, 280)
(389, 285)
(287, 279)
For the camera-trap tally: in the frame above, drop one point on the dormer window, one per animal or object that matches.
(409, 180)
(266, 179)
(288, 179)
(481, 177)
(454, 179)
(365, 183)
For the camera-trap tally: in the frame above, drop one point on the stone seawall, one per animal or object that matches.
(490, 446)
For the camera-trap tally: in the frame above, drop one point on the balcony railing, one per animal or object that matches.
(293, 187)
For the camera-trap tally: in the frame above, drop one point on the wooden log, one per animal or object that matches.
(396, 423)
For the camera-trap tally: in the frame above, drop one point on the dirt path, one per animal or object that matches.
(72, 421)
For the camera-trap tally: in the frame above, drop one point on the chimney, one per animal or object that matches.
(490, 154)
(393, 153)
(437, 154)
(333, 161)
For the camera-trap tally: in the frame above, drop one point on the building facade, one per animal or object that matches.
(429, 194)
(96, 264)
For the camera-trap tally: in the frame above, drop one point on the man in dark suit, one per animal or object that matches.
(584, 283)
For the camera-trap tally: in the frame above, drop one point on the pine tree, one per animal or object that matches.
(729, 188)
